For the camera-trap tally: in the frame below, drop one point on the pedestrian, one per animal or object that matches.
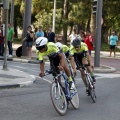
(10, 39)
(73, 36)
(39, 33)
(113, 43)
(29, 41)
(1, 41)
(83, 36)
(89, 41)
(51, 35)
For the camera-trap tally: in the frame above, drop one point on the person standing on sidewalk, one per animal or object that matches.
(10, 39)
(89, 41)
(83, 36)
(29, 41)
(39, 33)
(113, 43)
(51, 35)
(1, 41)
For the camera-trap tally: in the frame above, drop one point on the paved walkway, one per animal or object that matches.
(14, 78)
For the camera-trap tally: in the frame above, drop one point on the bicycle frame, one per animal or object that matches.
(67, 93)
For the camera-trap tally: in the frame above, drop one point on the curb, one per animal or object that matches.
(105, 69)
(19, 85)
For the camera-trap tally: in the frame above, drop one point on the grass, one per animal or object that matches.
(106, 47)
(17, 40)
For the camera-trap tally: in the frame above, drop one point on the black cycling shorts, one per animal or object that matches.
(67, 54)
(54, 63)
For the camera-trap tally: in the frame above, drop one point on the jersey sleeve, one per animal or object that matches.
(71, 51)
(85, 47)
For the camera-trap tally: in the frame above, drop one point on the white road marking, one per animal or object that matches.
(44, 79)
(99, 75)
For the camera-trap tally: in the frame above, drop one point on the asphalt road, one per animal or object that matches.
(33, 102)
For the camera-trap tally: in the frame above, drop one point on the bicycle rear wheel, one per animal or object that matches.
(58, 98)
(75, 98)
(91, 88)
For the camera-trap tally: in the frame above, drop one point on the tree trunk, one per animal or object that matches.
(15, 27)
(92, 23)
(88, 25)
(65, 24)
(104, 34)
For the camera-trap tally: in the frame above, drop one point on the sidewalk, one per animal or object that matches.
(13, 78)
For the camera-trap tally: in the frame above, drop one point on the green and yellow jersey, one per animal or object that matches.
(52, 51)
(65, 48)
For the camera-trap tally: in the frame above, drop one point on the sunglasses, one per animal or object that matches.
(76, 46)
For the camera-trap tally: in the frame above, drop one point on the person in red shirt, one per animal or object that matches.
(89, 41)
(1, 41)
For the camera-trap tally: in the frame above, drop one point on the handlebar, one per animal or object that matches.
(82, 66)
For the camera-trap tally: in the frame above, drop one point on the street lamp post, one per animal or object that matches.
(98, 34)
(12, 13)
(27, 22)
(6, 7)
(54, 15)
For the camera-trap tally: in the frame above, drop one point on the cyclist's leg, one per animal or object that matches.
(54, 63)
(89, 68)
(67, 71)
(78, 60)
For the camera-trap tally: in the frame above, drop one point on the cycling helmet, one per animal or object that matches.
(76, 42)
(41, 43)
(59, 45)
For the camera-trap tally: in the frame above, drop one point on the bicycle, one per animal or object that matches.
(89, 81)
(61, 96)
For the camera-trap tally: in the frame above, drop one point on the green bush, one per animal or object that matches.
(17, 40)
(106, 47)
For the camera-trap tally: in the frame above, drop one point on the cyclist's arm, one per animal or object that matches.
(42, 67)
(72, 63)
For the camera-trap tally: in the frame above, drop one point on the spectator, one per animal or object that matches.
(1, 41)
(113, 42)
(45, 34)
(10, 39)
(51, 35)
(83, 36)
(73, 36)
(39, 33)
(89, 41)
(29, 41)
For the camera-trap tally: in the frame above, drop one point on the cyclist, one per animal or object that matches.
(79, 52)
(56, 57)
(66, 50)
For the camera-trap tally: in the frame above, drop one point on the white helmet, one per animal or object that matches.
(41, 42)
(59, 45)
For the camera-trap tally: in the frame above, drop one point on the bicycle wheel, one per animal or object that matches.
(91, 88)
(58, 98)
(74, 98)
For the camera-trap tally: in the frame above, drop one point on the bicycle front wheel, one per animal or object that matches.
(74, 98)
(91, 88)
(58, 98)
